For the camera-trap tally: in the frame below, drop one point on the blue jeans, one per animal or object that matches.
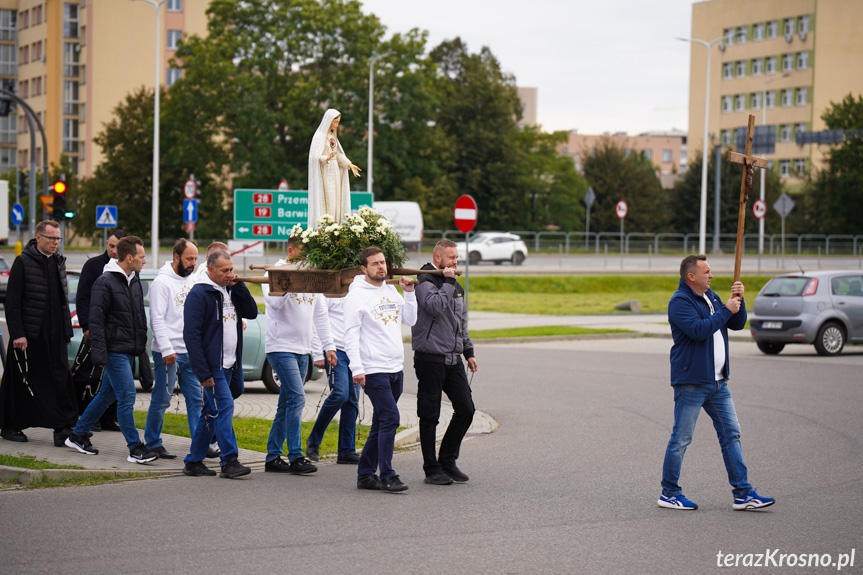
(291, 369)
(716, 401)
(217, 414)
(117, 384)
(383, 390)
(343, 396)
(165, 377)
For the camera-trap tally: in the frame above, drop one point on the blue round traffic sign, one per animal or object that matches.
(17, 214)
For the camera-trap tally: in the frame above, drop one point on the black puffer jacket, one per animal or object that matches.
(117, 320)
(27, 293)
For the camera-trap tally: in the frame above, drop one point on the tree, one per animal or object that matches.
(616, 174)
(834, 199)
(685, 198)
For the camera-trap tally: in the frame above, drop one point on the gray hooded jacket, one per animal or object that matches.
(440, 334)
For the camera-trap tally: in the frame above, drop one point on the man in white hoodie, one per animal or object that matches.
(167, 298)
(291, 320)
(374, 313)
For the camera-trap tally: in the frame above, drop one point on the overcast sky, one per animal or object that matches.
(599, 66)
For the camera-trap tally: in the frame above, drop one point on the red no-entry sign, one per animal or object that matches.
(465, 213)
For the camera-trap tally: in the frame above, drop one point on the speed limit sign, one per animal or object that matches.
(190, 188)
(759, 209)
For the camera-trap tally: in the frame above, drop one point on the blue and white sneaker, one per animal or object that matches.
(676, 502)
(752, 501)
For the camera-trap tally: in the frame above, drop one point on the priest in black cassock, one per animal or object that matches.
(37, 389)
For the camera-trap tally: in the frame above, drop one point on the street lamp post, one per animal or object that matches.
(155, 215)
(763, 174)
(702, 220)
(369, 171)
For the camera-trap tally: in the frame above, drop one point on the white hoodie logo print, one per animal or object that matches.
(301, 299)
(180, 296)
(387, 311)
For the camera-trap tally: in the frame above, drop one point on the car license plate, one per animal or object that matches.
(771, 325)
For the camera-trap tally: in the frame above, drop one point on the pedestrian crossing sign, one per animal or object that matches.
(106, 216)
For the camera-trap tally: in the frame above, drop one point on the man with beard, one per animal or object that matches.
(37, 389)
(167, 301)
(85, 389)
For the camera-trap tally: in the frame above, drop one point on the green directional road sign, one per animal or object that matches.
(271, 214)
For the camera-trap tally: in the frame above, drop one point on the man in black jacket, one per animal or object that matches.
(37, 386)
(118, 334)
(90, 272)
(439, 339)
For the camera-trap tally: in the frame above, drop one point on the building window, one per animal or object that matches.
(803, 24)
(8, 25)
(70, 98)
(802, 96)
(23, 20)
(83, 113)
(800, 128)
(784, 168)
(7, 159)
(758, 31)
(37, 14)
(83, 35)
(174, 38)
(9, 129)
(726, 104)
(739, 102)
(70, 136)
(772, 28)
(725, 137)
(741, 36)
(756, 100)
(174, 74)
(740, 70)
(666, 156)
(789, 26)
(770, 99)
(787, 62)
(728, 34)
(647, 155)
(175, 5)
(70, 59)
(70, 20)
(785, 133)
(786, 97)
(800, 167)
(757, 66)
(24, 88)
(802, 60)
(727, 71)
(770, 65)
(83, 74)
(8, 62)
(24, 54)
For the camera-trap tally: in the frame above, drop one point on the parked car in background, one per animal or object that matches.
(4, 280)
(255, 364)
(824, 308)
(494, 247)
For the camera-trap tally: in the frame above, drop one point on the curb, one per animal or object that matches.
(26, 475)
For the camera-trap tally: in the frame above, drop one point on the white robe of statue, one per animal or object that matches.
(329, 188)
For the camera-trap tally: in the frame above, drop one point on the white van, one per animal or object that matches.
(406, 218)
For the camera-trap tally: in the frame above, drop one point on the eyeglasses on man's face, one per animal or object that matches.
(55, 239)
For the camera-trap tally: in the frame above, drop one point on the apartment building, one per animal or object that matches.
(73, 61)
(780, 60)
(666, 150)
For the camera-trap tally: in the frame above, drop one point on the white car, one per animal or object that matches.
(493, 247)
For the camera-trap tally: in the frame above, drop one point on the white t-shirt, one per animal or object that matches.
(718, 346)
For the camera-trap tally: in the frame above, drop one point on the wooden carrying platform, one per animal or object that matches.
(331, 283)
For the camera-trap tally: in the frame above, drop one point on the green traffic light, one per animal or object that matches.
(70, 214)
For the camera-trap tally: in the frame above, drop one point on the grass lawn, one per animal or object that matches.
(72, 480)
(539, 331)
(584, 295)
(30, 462)
(252, 432)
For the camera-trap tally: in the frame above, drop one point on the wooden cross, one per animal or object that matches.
(749, 162)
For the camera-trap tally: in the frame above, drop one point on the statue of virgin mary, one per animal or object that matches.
(329, 189)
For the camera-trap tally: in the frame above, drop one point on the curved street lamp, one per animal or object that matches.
(369, 171)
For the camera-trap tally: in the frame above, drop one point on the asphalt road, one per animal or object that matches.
(567, 484)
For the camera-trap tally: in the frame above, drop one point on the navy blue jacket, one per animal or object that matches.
(202, 328)
(692, 328)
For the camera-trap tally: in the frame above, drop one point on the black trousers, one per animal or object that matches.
(434, 379)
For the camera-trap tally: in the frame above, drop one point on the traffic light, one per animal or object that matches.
(23, 183)
(7, 104)
(59, 204)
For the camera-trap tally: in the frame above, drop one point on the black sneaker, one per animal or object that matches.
(213, 452)
(393, 484)
(278, 465)
(302, 466)
(454, 472)
(349, 459)
(163, 453)
(81, 443)
(13, 435)
(197, 469)
(313, 453)
(438, 478)
(233, 469)
(140, 454)
(370, 482)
